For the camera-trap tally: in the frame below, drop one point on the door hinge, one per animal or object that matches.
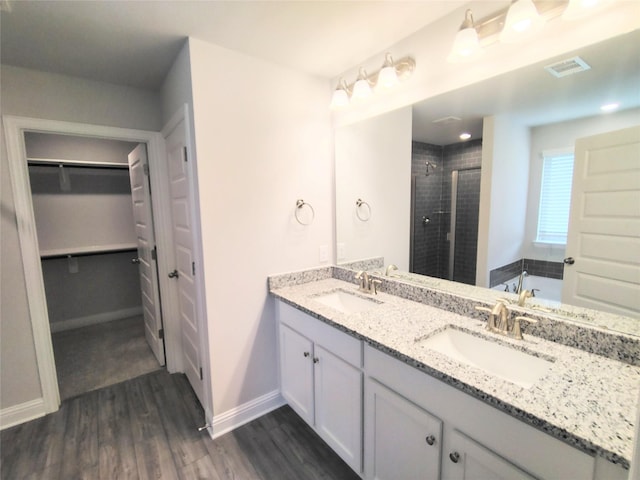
(201, 376)
(145, 169)
(161, 334)
(184, 154)
(154, 253)
(193, 268)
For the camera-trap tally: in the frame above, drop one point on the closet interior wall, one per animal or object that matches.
(85, 228)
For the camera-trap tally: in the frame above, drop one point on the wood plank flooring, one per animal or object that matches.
(146, 428)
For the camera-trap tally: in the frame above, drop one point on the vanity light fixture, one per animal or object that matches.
(340, 98)
(466, 45)
(519, 21)
(362, 87)
(522, 20)
(389, 75)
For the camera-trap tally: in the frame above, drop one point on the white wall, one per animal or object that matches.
(559, 136)
(373, 162)
(503, 194)
(42, 95)
(176, 88)
(263, 140)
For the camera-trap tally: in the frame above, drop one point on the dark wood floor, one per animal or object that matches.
(146, 428)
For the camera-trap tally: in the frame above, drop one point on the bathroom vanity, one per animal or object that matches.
(402, 390)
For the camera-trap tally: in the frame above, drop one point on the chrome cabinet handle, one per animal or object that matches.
(454, 457)
(174, 274)
(135, 260)
(430, 440)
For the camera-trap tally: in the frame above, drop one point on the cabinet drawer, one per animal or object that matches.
(339, 343)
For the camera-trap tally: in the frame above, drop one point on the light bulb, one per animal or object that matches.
(362, 88)
(466, 45)
(340, 98)
(387, 76)
(522, 21)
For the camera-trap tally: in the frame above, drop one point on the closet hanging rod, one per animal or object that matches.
(75, 163)
(49, 256)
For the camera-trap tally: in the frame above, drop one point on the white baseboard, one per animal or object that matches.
(78, 322)
(236, 417)
(21, 413)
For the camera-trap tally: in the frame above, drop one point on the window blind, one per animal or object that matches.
(555, 198)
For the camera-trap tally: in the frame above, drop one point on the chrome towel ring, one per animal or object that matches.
(300, 204)
(363, 210)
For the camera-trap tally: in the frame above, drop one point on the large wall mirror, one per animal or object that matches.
(442, 209)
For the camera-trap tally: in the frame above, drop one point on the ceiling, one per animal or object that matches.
(134, 43)
(534, 97)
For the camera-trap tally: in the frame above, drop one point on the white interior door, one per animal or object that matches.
(147, 266)
(185, 267)
(602, 268)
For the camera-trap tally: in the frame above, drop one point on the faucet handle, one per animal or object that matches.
(516, 331)
(373, 285)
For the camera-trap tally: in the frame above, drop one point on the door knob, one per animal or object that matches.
(569, 261)
(454, 457)
(135, 260)
(174, 274)
(430, 440)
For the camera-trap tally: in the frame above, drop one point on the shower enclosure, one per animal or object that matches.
(445, 198)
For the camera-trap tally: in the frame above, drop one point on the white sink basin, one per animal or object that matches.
(507, 363)
(346, 302)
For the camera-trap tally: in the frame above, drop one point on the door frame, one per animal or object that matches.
(14, 128)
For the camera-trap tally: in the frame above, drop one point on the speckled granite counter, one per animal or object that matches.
(585, 400)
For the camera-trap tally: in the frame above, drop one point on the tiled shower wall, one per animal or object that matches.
(432, 199)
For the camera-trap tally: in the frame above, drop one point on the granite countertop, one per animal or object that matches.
(585, 400)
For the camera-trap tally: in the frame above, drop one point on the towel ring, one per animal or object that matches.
(300, 204)
(360, 203)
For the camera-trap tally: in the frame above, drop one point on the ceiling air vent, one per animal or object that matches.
(447, 120)
(567, 67)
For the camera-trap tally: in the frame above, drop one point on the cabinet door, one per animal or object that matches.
(469, 460)
(402, 441)
(338, 403)
(296, 372)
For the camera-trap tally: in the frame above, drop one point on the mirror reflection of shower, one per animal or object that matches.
(444, 209)
(427, 165)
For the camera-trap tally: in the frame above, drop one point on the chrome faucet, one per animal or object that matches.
(521, 281)
(390, 268)
(367, 285)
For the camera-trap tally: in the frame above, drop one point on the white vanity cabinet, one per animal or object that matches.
(477, 441)
(321, 379)
(402, 440)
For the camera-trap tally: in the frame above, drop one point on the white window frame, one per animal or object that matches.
(555, 198)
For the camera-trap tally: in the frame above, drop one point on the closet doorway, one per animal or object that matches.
(100, 282)
(15, 130)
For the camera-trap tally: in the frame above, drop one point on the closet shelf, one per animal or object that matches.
(76, 163)
(90, 250)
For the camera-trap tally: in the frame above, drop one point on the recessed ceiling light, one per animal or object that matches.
(465, 136)
(609, 107)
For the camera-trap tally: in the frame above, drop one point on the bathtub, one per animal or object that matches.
(548, 288)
